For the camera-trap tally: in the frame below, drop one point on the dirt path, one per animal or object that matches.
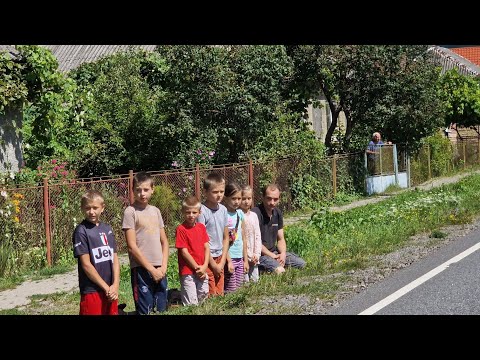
(20, 296)
(425, 186)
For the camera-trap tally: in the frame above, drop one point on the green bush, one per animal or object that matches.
(173, 278)
(6, 251)
(170, 205)
(307, 191)
(441, 153)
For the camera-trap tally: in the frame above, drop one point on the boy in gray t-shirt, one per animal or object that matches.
(215, 218)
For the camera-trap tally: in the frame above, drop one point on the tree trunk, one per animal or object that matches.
(331, 129)
(348, 130)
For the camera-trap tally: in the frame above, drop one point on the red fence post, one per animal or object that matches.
(46, 213)
(130, 186)
(197, 181)
(250, 173)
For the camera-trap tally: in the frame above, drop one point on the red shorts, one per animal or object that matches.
(97, 304)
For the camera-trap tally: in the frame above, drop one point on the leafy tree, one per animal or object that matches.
(315, 70)
(379, 87)
(397, 94)
(259, 102)
(127, 125)
(224, 96)
(284, 135)
(197, 85)
(53, 108)
(461, 96)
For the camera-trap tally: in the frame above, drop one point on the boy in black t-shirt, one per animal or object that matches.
(274, 256)
(95, 248)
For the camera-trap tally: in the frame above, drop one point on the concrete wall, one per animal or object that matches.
(379, 183)
(320, 118)
(10, 141)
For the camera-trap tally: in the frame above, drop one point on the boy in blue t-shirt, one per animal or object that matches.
(95, 248)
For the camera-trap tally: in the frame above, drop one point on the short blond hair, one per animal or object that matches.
(91, 195)
(247, 188)
(191, 202)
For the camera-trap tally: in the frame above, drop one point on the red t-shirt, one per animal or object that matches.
(193, 239)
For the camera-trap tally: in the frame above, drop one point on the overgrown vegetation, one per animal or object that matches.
(112, 115)
(461, 97)
(186, 105)
(335, 242)
(387, 88)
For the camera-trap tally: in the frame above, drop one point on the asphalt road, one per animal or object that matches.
(445, 282)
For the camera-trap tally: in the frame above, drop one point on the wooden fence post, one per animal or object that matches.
(130, 187)
(197, 182)
(395, 163)
(478, 149)
(46, 214)
(464, 155)
(428, 161)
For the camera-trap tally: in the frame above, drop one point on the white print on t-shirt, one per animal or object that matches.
(102, 253)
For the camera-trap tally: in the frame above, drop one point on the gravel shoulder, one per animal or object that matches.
(418, 247)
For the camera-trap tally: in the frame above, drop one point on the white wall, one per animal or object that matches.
(10, 141)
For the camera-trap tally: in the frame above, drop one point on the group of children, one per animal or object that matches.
(218, 245)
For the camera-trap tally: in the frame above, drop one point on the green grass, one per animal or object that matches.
(12, 281)
(331, 243)
(347, 239)
(392, 189)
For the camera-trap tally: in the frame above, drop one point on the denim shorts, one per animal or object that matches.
(148, 295)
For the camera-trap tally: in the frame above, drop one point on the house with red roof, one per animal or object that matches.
(466, 58)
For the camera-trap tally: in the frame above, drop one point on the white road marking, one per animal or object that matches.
(404, 290)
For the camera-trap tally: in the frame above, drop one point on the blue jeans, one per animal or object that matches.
(147, 294)
(269, 264)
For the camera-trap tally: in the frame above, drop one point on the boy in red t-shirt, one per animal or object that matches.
(193, 254)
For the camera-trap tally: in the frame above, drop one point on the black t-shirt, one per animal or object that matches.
(269, 226)
(99, 242)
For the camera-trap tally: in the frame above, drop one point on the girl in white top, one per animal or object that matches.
(252, 232)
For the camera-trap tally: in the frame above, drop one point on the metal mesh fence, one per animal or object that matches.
(381, 163)
(459, 155)
(22, 239)
(427, 163)
(170, 189)
(66, 214)
(281, 172)
(22, 217)
(350, 173)
(325, 174)
(419, 172)
(471, 152)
